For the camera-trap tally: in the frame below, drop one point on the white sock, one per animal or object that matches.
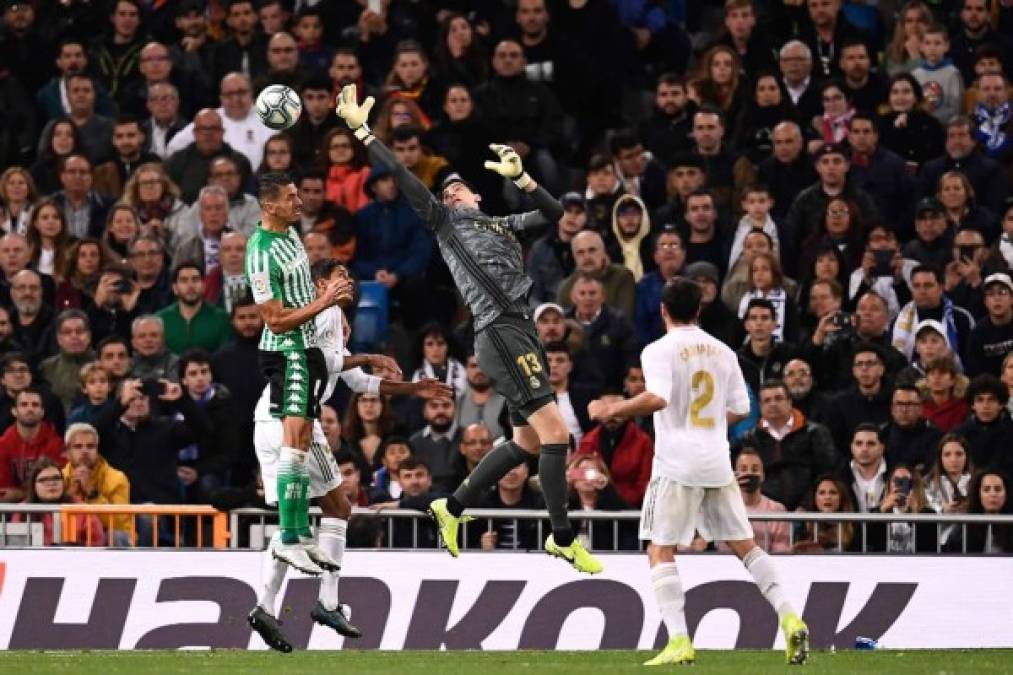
(670, 598)
(331, 538)
(272, 576)
(761, 566)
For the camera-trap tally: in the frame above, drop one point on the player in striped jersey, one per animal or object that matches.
(325, 477)
(694, 388)
(278, 272)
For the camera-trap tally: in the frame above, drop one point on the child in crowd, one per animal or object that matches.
(766, 281)
(940, 79)
(95, 387)
(394, 450)
(756, 205)
(309, 31)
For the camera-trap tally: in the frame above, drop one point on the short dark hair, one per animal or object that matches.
(866, 426)
(623, 139)
(186, 265)
(866, 347)
(345, 457)
(936, 273)
(699, 192)
(671, 79)
(906, 386)
(599, 161)
(396, 440)
(852, 42)
(245, 300)
(558, 347)
(10, 358)
(270, 185)
(34, 391)
(126, 118)
(197, 355)
(405, 133)
(312, 174)
(754, 188)
(987, 384)
(681, 299)
(413, 463)
(762, 303)
(112, 340)
(68, 314)
(708, 109)
(862, 116)
(322, 269)
(937, 29)
(775, 383)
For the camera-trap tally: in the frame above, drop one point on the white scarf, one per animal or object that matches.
(745, 227)
(777, 297)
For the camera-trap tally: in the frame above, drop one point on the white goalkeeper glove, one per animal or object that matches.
(509, 165)
(354, 115)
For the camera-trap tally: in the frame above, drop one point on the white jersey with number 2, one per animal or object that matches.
(699, 378)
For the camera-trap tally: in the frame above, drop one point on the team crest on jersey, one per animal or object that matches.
(535, 384)
(496, 225)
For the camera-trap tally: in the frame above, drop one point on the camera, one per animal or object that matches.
(842, 320)
(902, 485)
(967, 252)
(122, 286)
(152, 387)
(884, 262)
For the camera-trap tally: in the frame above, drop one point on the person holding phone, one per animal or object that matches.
(967, 270)
(904, 494)
(883, 269)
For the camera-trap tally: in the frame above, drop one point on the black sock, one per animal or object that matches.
(552, 476)
(493, 466)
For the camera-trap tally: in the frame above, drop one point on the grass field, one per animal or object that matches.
(930, 662)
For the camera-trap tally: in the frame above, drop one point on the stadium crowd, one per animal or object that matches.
(834, 175)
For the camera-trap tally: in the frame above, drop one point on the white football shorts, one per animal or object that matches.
(324, 472)
(672, 512)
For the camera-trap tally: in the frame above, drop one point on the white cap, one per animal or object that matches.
(932, 324)
(545, 307)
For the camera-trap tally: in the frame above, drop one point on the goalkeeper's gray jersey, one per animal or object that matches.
(482, 251)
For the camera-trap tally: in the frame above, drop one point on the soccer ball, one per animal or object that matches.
(278, 107)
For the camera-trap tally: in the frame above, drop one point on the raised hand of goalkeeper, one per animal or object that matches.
(509, 165)
(354, 115)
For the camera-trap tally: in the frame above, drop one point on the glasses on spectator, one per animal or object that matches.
(996, 291)
(862, 365)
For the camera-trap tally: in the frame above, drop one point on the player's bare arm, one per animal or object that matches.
(644, 403)
(280, 319)
(425, 388)
(371, 360)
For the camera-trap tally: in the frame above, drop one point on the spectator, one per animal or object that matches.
(84, 209)
(205, 464)
(957, 195)
(903, 52)
(883, 270)
(393, 451)
(62, 140)
(478, 402)
(128, 156)
(931, 342)
(417, 492)
(16, 376)
(45, 485)
(439, 442)
(991, 339)
(115, 303)
(608, 334)
(881, 173)
(906, 128)
(151, 359)
(436, 361)
(226, 285)
(146, 446)
(89, 479)
(315, 122)
(347, 168)
(637, 170)
(95, 387)
(117, 55)
(841, 226)
(553, 326)
(627, 239)
(476, 443)
(766, 282)
(989, 494)
(317, 247)
(909, 437)
(1001, 250)
(865, 88)
(770, 535)
(947, 483)
(867, 401)
(572, 396)
(904, 494)
(766, 109)
(71, 59)
(146, 255)
(460, 54)
(393, 247)
(94, 131)
(235, 366)
(756, 204)
(122, 225)
(367, 423)
(48, 240)
(114, 358)
(985, 175)
(429, 168)
(32, 318)
(200, 241)
(794, 450)
(703, 241)
(710, 144)
(18, 194)
(666, 131)
(988, 430)
(686, 174)
(189, 166)
(592, 489)
(795, 62)
(993, 118)
(786, 173)
(715, 317)
(865, 475)
(591, 259)
(938, 75)
(625, 450)
(838, 109)
(25, 443)
(331, 425)
(243, 208)
(809, 207)
(931, 243)
(826, 33)
(8, 343)
(763, 356)
(283, 65)
(278, 156)
(534, 129)
(155, 198)
(798, 378)
(550, 259)
(163, 121)
(513, 491)
(351, 483)
(669, 258)
(943, 391)
(62, 370)
(828, 495)
(191, 322)
(928, 302)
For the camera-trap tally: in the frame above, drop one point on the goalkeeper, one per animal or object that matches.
(485, 260)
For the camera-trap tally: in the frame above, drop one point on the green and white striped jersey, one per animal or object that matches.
(277, 269)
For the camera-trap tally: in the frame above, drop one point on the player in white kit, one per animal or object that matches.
(325, 477)
(694, 388)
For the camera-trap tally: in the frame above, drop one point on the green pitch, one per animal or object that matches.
(930, 662)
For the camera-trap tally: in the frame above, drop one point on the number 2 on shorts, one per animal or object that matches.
(529, 363)
(704, 381)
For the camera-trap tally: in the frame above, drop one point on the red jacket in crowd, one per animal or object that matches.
(17, 456)
(631, 461)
